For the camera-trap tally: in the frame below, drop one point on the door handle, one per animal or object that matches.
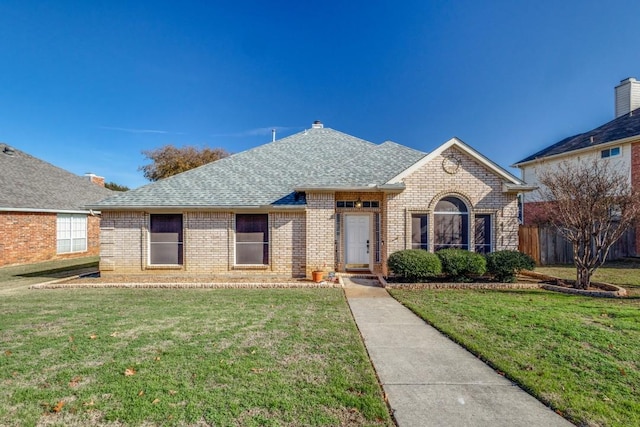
(367, 246)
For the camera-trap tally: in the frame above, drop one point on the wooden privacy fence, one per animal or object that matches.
(547, 247)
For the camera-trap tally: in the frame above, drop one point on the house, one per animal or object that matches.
(318, 199)
(42, 210)
(617, 140)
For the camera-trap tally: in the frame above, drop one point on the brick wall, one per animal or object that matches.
(536, 213)
(320, 224)
(206, 241)
(478, 186)
(123, 242)
(288, 243)
(208, 245)
(29, 237)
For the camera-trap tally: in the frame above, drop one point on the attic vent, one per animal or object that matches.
(9, 151)
(317, 125)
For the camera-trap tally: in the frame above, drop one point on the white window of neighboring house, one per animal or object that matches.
(71, 233)
(610, 152)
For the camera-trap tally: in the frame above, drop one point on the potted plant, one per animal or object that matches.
(318, 273)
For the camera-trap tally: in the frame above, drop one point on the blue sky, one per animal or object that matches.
(88, 85)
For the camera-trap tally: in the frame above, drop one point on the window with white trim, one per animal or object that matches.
(252, 239)
(610, 152)
(451, 224)
(483, 233)
(71, 231)
(165, 239)
(419, 232)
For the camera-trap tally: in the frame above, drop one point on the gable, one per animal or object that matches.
(437, 156)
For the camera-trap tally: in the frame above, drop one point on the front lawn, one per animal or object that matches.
(581, 355)
(184, 357)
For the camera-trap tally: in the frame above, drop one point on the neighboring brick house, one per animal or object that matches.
(42, 210)
(319, 199)
(617, 140)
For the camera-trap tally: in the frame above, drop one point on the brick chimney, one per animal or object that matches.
(627, 96)
(99, 180)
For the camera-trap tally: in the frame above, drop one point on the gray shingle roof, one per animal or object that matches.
(268, 174)
(622, 127)
(30, 183)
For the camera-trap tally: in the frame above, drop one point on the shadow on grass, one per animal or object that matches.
(28, 274)
(55, 271)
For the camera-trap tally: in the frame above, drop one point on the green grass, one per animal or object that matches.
(622, 273)
(581, 355)
(20, 276)
(199, 357)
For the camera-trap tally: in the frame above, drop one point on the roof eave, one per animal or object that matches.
(461, 145)
(233, 208)
(517, 188)
(370, 188)
(61, 211)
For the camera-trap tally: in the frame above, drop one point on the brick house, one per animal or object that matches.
(42, 210)
(617, 141)
(319, 199)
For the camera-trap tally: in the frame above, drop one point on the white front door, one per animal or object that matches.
(357, 241)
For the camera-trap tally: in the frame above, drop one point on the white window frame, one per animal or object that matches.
(463, 215)
(609, 153)
(490, 245)
(180, 243)
(71, 228)
(267, 243)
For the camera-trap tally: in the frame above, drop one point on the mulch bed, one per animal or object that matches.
(180, 282)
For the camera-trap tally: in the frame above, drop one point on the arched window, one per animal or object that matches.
(451, 224)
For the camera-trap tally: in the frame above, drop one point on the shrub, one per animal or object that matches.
(461, 265)
(414, 265)
(504, 265)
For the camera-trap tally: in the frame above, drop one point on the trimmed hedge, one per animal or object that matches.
(414, 265)
(461, 265)
(505, 265)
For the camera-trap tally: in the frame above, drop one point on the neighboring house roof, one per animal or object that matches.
(621, 128)
(31, 184)
(271, 174)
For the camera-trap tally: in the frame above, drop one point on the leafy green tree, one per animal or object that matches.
(116, 187)
(169, 160)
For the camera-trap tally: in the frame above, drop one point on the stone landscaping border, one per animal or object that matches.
(605, 290)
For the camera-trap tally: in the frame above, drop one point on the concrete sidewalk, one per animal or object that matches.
(429, 380)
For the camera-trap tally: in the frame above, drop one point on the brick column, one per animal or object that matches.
(321, 232)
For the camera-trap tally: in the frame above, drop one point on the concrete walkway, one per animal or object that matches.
(429, 380)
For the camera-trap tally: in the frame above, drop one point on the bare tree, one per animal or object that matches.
(594, 204)
(169, 160)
